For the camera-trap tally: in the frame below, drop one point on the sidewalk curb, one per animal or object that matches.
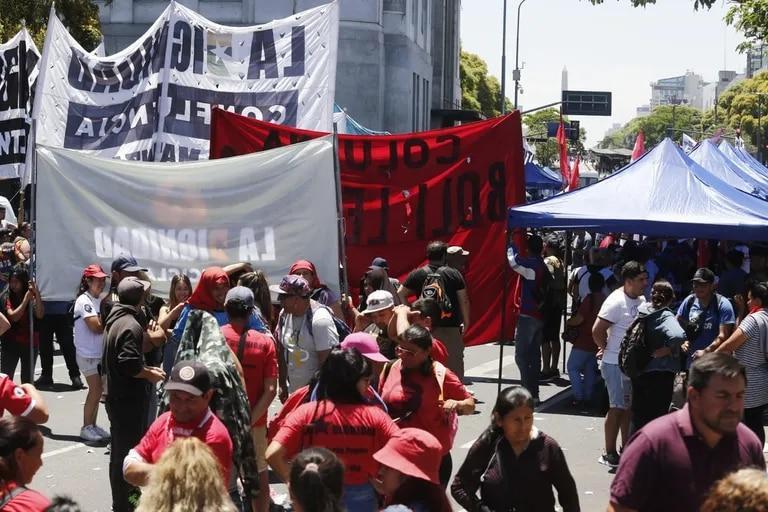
(556, 399)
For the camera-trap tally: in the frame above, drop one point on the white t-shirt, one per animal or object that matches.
(87, 342)
(621, 310)
(581, 275)
(301, 350)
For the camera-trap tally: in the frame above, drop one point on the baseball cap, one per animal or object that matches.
(189, 376)
(131, 289)
(126, 263)
(379, 262)
(292, 285)
(94, 271)
(704, 275)
(457, 249)
(378, 301)
(413, 452)
(366, 344)
(241, 294)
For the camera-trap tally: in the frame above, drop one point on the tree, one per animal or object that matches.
(744, 106)
(548, 152)
(81, 17)
(479, 91)
(642, 3)
(678, 118)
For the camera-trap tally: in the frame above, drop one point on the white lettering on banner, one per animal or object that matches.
(183, 244)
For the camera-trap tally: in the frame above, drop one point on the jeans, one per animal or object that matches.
(753, 418)
(360, 498)
(528, 352)
(582, 371)
(651, 396)
(169, 354)
(127, 426)
(61, 326)
(10, 355)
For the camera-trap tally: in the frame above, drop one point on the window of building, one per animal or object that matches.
(424, 10)
(425, 104)
(415, 15)
(415, 105)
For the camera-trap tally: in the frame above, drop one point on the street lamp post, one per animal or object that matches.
(516, 72)
(502, 106)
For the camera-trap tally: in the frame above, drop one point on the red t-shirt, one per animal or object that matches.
(412, 394)
(588, 310)
(19, 330)
(27, 501)
(439, 352)
(353, 431)
(209, 430)
(294, 400)
(259, 362)
(13, 398)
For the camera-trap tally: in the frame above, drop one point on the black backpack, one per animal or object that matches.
(434, 288)
(543, 293)
(634, 354)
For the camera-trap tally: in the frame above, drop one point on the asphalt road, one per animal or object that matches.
(73, 468)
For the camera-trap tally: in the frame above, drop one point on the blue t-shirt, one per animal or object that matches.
(718, 312)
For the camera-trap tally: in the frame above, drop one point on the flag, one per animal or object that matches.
(639, 148)
(687, 143)
(561, 139)
(574, 183)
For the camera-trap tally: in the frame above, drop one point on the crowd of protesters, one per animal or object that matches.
(372, 390)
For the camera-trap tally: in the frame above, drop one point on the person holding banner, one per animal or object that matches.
(181, 289)
(22, 293)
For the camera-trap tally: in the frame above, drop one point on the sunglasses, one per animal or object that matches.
(404, 351)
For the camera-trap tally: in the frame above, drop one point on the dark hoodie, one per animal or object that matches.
(123, 358)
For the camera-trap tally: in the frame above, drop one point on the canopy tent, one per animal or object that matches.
(541, 178)
(712, 159)
(747, 157)
(346, 124)
(748, 167)
(664, 193)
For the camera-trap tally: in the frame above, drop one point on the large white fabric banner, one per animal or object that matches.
(152, 101)
(270, 209)
(18, 72)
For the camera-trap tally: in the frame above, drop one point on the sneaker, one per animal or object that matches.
(77, 383)
(43, 381)
(89, 433)
(103, 433)
(609, 459)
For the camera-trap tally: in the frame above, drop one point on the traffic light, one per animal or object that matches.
(574, 131)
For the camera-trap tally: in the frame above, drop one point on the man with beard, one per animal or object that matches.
(672, 462)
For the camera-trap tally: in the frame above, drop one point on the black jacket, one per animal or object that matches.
(123, 357)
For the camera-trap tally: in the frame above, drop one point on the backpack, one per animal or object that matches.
(434, 288)
(342, 328)
(634, 354)
(544, 291)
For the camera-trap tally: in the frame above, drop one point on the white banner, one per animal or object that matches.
(18, 72)
(270, 209)
(153, 100)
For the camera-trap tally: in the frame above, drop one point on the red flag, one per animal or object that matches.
(639, 148)
(574, 183)
(564, 170)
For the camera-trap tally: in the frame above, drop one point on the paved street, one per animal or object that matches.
(71, 467)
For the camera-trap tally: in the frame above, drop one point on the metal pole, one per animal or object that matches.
(759, 129)
(339, 212)
(33, 253)
(565, 309)
(502, 106)
(516, 74)
(504, 300)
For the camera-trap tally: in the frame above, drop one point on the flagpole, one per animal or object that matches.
(33, 258)
(344, 284)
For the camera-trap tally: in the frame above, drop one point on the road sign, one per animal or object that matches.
(586, 103)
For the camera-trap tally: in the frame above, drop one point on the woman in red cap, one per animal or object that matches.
(513, 464)
(320, 292)
(89, 347)
(409, 472)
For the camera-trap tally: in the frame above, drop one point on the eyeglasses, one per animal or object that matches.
(404, 351)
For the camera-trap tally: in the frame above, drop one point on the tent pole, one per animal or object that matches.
(33, 255)
(566, 259)
(344, 284)
(504, 298)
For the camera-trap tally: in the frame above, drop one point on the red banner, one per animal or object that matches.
(401, 191)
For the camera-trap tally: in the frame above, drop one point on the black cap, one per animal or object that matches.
(126, 263)
(704, 275)
(131, 290)
(189, 376)
(379, 262)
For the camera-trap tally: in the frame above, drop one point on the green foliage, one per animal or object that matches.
(548, 152)
(479, 91)
(750, 17)
(697, 4)
(680, 118)
(742, 105)
(81, 17)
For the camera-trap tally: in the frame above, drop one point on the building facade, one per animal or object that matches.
(397, 59)
(685, 89)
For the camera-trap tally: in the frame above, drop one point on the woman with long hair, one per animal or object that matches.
(316, 481)
(181, 289)
(89, 346)
(186, 478)
(21, 450)
(258, 284)
(513, 464)
(409, 472)
(320, 292)
(15, 342)
(341, 420)
(422, 393)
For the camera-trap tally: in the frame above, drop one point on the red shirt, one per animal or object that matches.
(259, 362)
(19, 330)
(412, 394)
(13, 398)
(209, 430)
(439, 352)
(27, 501)
(353, 431)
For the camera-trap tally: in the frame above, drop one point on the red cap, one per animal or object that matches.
(94, 271)
(413, 452)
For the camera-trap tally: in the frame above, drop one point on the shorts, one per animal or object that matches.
(259, 435)
(619, 386)
(88, 365)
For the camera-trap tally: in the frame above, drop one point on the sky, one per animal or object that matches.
(610, 47)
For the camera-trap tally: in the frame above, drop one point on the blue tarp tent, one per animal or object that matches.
(744, 154)
(541, 178)
(345, 124)
(749, 167)
(664, 193)
(712, 159)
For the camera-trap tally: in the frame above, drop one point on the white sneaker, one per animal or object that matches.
(88, 433)
(103, 433)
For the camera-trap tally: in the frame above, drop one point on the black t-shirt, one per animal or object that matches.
(453, 283)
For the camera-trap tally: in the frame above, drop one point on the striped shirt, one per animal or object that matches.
(752, 354)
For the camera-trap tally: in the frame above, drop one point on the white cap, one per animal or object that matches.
(379, 301)
(457, 249)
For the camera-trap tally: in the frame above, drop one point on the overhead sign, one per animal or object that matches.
(586, 103)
